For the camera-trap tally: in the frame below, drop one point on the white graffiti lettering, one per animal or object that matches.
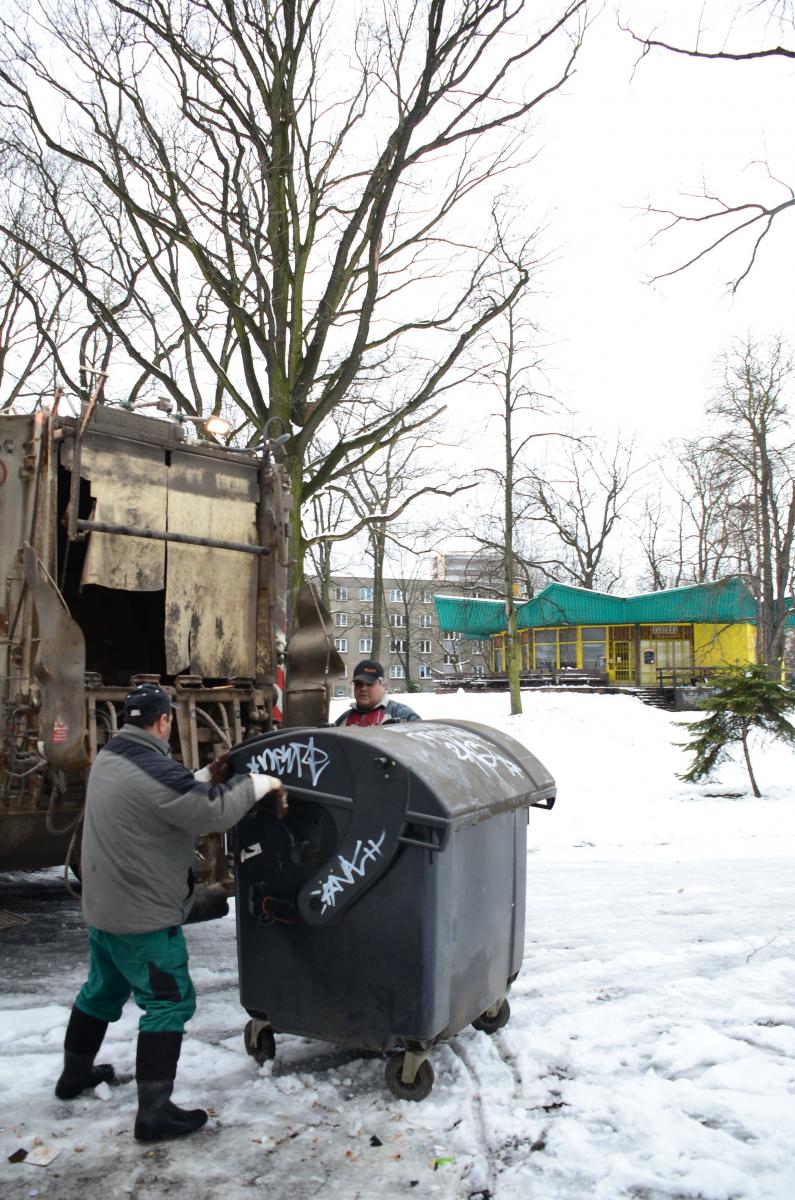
(351, 870)
(467, 748)
(293, 758)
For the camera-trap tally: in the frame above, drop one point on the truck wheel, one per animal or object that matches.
(490, 1023)
(418, 1090)
(262, 1048)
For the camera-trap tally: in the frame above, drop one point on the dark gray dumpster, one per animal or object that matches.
(387, 910)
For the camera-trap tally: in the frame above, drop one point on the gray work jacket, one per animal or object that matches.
(142, 813)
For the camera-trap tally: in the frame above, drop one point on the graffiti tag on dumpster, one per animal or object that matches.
(291, 758)
(351, 870)
(467, 748)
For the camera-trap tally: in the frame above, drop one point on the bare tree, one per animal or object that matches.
(723, 220)
(39, 320)
(299, 177)
(656, 544)
(406, 568)
(755, 443)
(704, 488)
(325, 516)
(736, 492)
(692, 535)
(511, 373)
(387, 490)
(579, 504)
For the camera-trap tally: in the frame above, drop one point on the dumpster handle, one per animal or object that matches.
(431, 824)
(410, 841)
(313, 794)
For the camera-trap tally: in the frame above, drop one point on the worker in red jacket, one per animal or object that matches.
(370, 706)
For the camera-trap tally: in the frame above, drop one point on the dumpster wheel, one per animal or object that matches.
(493, 1019)
(259, 1041)
(418, 1089)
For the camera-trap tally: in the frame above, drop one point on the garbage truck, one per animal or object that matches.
(130, 552)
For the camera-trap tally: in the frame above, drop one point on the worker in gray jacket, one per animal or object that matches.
(142, 813)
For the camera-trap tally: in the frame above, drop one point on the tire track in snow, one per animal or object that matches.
(491, 1065)
(513, 1134)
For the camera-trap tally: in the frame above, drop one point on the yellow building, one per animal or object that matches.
(660, 639)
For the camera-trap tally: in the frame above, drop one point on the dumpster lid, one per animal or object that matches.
(491, 771)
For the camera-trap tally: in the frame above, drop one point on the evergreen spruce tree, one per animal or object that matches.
(747, 698)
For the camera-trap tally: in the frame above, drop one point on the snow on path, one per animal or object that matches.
(650, 1052)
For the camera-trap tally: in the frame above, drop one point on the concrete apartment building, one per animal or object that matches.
(413, 650)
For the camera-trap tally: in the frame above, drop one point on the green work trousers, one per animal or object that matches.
(152, 967)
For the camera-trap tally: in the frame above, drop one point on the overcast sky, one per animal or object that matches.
(625, 354)
(628, 353)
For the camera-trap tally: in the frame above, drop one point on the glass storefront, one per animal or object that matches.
(601, 649)
(594, 648)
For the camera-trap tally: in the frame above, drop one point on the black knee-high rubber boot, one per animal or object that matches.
(83, 1039)
(155, 1072)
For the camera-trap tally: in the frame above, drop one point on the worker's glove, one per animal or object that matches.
(218, 771)
(209, 903)
(220, 768)
(266, 784)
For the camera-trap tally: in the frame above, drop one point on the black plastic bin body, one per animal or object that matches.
(388, 909)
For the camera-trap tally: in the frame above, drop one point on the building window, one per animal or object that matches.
(425, 597)
(340, 593)
(594, 652)
(397, 645)
(341, 644)
(426, 621)
(339, 690)
(546, 649)
(425, 671)
(395, 595)
(366, 594)
(397, 620)
(397, 671)
(476, 647)
(554, 648)
(478, 670)
(567, 647)
(366, 620)
(341, 620)
(424, 647)
(365, 645)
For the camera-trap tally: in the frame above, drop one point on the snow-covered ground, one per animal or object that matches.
(650, 1052)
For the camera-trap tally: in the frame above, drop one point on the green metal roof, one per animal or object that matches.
(722, 602)
(725, 600)
(560, 604)
(473, 618)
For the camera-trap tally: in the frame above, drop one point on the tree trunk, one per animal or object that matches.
(295, 573)
(378, 544)
(513, 648)
(751, 776)
(514, 658)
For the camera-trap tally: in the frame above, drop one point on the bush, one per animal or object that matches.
(747, 698)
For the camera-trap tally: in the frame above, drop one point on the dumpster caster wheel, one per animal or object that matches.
(260, 1045)
(490, 1022)
(418, 1090)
